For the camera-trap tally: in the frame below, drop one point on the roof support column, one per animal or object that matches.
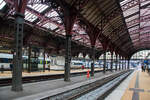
(29, 59)
(116, 62)
(17, 68)
(93, 34)
(20, 6)
(44, 61)
(84, 60)
(93, 61)
(69, 20)
(125, 64)
(122, 64)
(111, 67)
(67, 58)
(119, 62)
(104, 66)
(128, 64)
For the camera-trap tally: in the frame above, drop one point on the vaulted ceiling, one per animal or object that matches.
(123, 24)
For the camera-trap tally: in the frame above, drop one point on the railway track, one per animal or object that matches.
(105, 86)
(30, 79)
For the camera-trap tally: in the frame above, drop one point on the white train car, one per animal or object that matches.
(6, 59)
(76, 63)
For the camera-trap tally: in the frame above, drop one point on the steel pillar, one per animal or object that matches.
(116, 63)
(119, 63)
(128, 64)
(67, 58)
(125, 65)
(122, 63)
(29, 59)
(17, 67)
(111, 67)
(104, 66)
(93, 60)
(44, 61)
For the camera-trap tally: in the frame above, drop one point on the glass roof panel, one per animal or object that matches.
(77, 37)
(30, 17)
(145, 29)
(38, 7)
(52, 14)
(144, 24)
(134, 35)
(135, 40)
(82, 32)
(63, 33)
(50, 26)
(131, 11)
(144, 2)
(133, 23)
(145, 11)
(132, 18)
(125, 2)
(2, 4)
(133, 29)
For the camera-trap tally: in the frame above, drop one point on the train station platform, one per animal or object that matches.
(8, 74)
(135, 87)
(39, 89)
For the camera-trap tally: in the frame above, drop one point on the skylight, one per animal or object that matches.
(30, 17)
(2, 4)
(77, 38)
(38, 7)
(51, 14)
(82, 32)
(50, 26)
(60, 31)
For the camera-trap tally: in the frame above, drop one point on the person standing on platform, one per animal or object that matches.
(144, 67)
(82, 67)
(49, 66)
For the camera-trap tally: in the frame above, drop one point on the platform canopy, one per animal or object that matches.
(123, 25)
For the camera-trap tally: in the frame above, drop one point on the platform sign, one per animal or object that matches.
(146, 61)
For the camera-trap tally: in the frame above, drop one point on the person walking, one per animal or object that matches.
(142, 68)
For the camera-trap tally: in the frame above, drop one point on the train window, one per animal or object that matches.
(9, 60)
(78, 64)
(1, 60)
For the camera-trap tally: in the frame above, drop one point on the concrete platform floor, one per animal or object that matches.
(7, 74)
(40, 87)
(135, 87)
